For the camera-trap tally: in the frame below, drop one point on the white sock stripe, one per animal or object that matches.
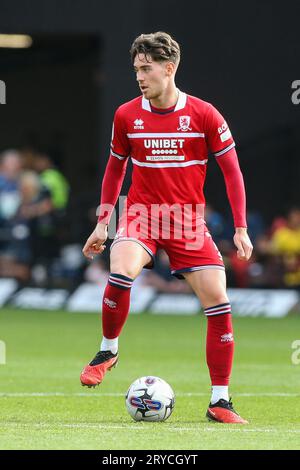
(122, 277)
(118, 279)
(217, 313)
(226, 307)
(221, 310)
(119, 284)
(212, 309)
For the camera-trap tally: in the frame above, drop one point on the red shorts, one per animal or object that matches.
(187, 252)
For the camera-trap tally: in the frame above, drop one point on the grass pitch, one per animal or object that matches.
(43, 405)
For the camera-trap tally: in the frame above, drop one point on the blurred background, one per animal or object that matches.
(65, 74)
(64, 69)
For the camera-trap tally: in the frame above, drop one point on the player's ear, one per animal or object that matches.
(170, 68)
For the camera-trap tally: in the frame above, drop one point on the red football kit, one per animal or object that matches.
(169, 150)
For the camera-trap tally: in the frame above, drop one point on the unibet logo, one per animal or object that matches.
(163, 143)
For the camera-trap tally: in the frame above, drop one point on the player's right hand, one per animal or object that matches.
(94, 244)
(243, 244)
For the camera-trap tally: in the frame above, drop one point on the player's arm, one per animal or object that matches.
(235, 188)
(111, 186)
(222, 145)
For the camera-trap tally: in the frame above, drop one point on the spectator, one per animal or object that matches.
(256, 225)
(10, 170)
(53, 180)
(215, 223)
(33, 231)
(97, 272)
(266, 270)
(286, 243)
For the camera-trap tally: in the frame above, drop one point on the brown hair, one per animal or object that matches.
(160, 46)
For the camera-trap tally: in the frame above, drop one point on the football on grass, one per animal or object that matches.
(150, 399)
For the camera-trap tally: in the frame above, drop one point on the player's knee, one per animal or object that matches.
(124, 271)
(215, 299)
(213, 296)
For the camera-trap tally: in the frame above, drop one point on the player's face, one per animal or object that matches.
(153, 77)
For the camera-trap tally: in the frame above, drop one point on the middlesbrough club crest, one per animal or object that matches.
(184, 123)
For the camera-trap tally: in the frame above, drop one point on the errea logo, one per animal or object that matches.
(138, 124)
(110, 303)
(227, 338)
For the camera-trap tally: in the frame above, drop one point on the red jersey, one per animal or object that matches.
(169, 148)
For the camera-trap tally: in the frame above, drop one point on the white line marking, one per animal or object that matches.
(169, 165)
(158, 135)
(107, 394)
(145, 427)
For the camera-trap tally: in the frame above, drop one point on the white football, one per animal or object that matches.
(150, 399)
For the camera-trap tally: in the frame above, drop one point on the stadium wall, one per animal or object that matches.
(271, 303)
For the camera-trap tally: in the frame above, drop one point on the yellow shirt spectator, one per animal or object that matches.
(286, 241)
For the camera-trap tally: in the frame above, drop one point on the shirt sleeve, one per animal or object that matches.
(235, 187)
(120, 147)
(115, 170)
(217, 133)
(111, 187)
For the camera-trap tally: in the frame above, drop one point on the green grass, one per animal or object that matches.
(47, 350)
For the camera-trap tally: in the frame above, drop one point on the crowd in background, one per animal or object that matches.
(36, 246)
(275, 261)
(33, 200)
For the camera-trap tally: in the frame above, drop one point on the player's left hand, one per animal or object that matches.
(243, 243)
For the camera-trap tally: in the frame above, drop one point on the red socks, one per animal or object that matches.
(219, 343)
(115, 306)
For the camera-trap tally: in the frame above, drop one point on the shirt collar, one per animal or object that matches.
(181, 102)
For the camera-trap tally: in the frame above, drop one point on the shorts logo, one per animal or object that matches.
(138, 124)
(120, 232)
(227, 338)
(184, 123)
(110, 303)
(217, 250)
